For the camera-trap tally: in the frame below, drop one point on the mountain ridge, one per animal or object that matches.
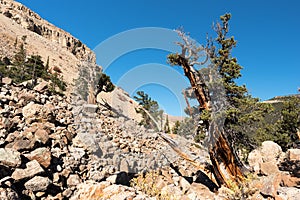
(30, 20)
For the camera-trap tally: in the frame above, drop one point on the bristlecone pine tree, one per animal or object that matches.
(219, 76)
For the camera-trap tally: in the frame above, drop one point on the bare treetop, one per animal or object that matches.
(191, 50)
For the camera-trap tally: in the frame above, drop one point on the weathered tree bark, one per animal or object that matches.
(227, 168)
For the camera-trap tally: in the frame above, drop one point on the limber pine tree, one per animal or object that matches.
(211, 85)
(149, 110)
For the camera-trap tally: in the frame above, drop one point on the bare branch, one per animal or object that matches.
(190, 50)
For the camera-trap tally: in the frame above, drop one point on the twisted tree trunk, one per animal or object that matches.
(227, 168)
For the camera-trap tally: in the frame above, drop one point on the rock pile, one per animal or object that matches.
(277, 172)
(35, 131)
(54, 147)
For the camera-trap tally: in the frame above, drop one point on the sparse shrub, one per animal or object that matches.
(56, 81)
(104, 84)
(147, 183)
(241, 191)
(32, 68)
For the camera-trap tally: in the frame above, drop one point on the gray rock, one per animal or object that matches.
(32, 168)
(77, 153)
(10, 157)
(90, 108)
(37, 183)
(124, 166)
(88, 142)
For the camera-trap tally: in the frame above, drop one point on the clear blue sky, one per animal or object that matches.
(267, 33)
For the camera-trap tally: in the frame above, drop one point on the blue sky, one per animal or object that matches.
(267, 33)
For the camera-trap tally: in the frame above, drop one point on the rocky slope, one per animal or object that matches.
(61, 147)
(53, 148)
(50, 147)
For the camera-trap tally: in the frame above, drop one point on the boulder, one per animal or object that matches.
(42, 155)
(10, 158)
(90, 108)
(88, 142)
(199, 191)
(32, 168)
(289, 193)
(171, 192)
(73, 180)
(90, 190)
(118, 192)
(35, 112)
(289, 181)
(124, 166)
(184, 184)
(270, 185)
(293, 154)
(26, 96)
(268, 168)
(21, 144)
(31, 109)
(270, 151)
(112, 179)
(37, 183)
(255, 159)
(42, 136)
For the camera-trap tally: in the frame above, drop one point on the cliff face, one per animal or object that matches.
(33, 22)
(42, 38)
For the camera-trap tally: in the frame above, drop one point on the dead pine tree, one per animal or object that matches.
(226, 166)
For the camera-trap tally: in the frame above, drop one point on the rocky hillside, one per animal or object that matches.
(60, 147)
(64, 51)
(52, 148)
